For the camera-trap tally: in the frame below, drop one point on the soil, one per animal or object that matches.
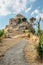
(15, 55)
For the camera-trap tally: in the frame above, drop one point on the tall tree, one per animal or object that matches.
(40, 45)
(31, 24)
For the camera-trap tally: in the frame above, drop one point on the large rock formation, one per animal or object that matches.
(18, 24)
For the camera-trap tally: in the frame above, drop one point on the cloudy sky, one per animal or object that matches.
(29, 8)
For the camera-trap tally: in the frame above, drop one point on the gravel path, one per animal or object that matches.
(15, 55)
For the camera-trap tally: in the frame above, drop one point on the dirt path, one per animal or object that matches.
(15, 55)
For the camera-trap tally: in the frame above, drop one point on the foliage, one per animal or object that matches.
(40, 50)
(18, 20)
(40, 45)
(32, 20)
(38, 25)
(32, 31)
(1, 34)
(42, 38)
(32, 23)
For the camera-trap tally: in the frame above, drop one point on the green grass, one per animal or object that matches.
(39, 47)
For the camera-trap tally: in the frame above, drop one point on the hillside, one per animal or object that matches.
(18, 25)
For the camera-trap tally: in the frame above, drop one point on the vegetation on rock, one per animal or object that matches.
(40, 45)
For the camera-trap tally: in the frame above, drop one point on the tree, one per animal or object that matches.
(40, 45)
(32, 20)
(31, 24)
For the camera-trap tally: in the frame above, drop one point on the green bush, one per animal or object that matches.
(39, 48)
(1, 34)
(18, 21)
(32, 31)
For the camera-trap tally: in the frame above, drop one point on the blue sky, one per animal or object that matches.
(28, 8)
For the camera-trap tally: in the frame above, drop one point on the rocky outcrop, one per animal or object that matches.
(19, 24)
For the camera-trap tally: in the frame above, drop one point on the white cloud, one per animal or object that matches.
(39, 15)
(9, 6)
(28, 9)
(36, 11)
(14, 6)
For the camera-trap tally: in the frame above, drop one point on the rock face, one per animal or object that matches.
(19, 24)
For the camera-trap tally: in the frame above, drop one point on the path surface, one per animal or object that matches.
(15, 55)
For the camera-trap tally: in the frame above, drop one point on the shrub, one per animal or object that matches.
(32, 31)
(1, 34)
(39, 48)
(18, 21)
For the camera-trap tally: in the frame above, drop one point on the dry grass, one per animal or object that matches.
(30, 51)
(9, 42)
